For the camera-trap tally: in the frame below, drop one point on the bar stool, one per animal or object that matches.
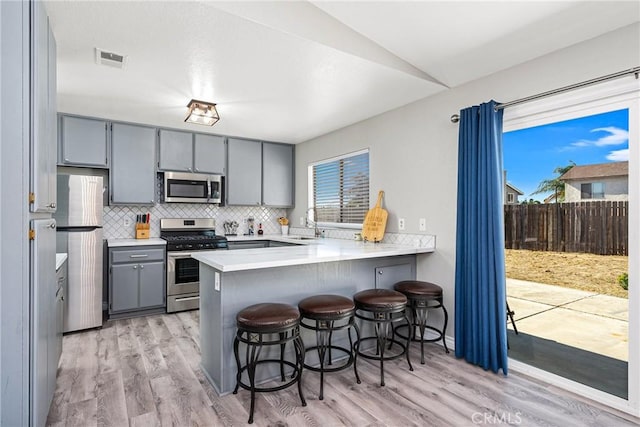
(422, 297)
(256, 326)
(383, 307)
(326, 314)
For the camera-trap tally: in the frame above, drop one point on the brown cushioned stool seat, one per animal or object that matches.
(268, 324)
(327, 314)
(422, 297)
(383, 308)
(326, 307)
(268, 316)
(417, 289)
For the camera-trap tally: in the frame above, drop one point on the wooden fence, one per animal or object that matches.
(597, 227)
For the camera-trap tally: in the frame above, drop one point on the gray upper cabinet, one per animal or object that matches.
(83, 142)
(133, 153)
(209, 153)
(259, 173)
(44, 136)
(244, 172)
(176, 151)
(277, 175)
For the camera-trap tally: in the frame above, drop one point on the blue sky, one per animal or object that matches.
(532, 154)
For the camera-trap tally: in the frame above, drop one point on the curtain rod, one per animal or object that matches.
(636, 70)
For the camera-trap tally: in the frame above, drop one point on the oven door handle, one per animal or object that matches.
(179, 255)
(186, 299)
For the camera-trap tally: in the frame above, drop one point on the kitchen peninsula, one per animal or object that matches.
(232, 280)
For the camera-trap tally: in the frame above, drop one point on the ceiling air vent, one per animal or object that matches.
(110, 59)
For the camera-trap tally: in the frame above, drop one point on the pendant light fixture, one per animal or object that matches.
(203, 113)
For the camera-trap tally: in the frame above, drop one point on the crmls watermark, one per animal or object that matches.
(496, 418)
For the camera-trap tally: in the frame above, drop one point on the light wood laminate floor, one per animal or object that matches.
(146, 372)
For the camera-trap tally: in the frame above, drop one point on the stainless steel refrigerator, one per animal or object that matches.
(79, 234)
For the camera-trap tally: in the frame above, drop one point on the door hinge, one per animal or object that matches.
(32, 234)
(32, 197)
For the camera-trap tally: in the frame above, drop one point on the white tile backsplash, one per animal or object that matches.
(416, 240)
(114, 216)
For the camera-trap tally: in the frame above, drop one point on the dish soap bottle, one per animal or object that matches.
(260, 231)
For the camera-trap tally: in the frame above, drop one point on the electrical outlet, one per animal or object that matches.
(126, 222)
(423, 224)
(401, 224)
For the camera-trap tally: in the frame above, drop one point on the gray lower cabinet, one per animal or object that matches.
(387, 276)
(176, 150)
(132, 175)
(57, 325)
(136, 279)
(277, 174)
(244, 172)
(44, 348)
(209, 154)
(83, 142)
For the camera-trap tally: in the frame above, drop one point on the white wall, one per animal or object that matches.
(413, 149)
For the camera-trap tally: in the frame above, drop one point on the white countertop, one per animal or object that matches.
(309, 252)
(114, 243)
(60, 260)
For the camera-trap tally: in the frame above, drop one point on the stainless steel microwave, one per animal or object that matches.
(180, 187)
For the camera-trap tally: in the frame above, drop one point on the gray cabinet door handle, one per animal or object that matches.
(142, 267)
(139, 256)
(52, 205)
(135, 267)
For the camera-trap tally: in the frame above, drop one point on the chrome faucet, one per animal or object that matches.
(316, 232)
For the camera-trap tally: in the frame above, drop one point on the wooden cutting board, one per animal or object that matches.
(375, 222)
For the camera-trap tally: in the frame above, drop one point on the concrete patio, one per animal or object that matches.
(576, 334)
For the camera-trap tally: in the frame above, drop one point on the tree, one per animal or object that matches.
(530, 202)
(555, 185)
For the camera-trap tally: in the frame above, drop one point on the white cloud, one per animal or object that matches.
(616, 136)
(618, 155)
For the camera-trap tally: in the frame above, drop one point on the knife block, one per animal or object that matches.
(142, 231)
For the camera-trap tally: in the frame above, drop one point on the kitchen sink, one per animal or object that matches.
(301, 237)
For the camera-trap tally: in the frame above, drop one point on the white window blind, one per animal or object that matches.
(341, 188)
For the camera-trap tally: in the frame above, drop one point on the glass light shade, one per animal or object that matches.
(203, 113)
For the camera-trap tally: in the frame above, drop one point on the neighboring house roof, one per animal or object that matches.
(601, 170)
(551, 199)
(515, 189)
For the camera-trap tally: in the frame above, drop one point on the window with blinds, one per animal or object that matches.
(340, 188)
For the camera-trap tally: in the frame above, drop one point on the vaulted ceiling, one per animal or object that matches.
(290, 71)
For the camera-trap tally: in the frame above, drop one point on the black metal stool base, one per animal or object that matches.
(254, 341)
(422, 297)
(324, 329)
(383, 325)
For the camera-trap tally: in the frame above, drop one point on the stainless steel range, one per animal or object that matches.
(183, 237)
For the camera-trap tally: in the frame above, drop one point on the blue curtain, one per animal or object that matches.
(481, 325)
